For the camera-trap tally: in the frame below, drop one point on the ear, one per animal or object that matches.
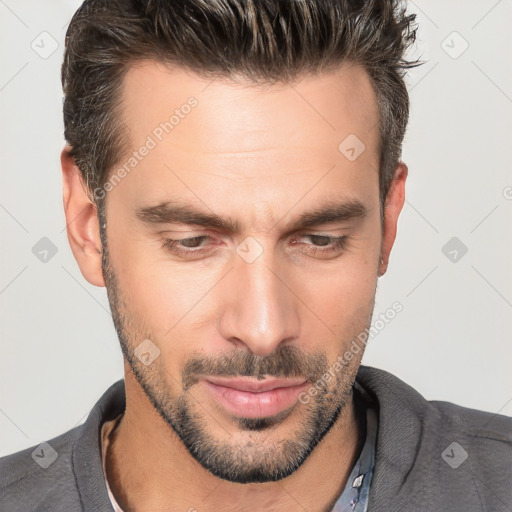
(393, 206)
(81, 221)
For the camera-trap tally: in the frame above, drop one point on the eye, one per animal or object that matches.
(324, 244)
(185, 245)
(321, 240)
(196, 246)
(190, 243)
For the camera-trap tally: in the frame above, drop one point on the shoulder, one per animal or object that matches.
(64, 473)
(35, 478)
(394, 395)
(437, 452)
(483, 438)
(474, 450)
(475, 423)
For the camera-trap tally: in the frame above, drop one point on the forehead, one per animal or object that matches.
(254, 137)
(241, 116)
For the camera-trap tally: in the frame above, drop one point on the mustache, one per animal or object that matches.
(285, 361)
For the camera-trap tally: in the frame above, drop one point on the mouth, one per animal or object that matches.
(248, 397)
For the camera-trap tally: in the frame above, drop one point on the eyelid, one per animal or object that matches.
(331, 236)
(296, 235)
(188, 230)
(337, 244)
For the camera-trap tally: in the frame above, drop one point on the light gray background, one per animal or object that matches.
(451, 342)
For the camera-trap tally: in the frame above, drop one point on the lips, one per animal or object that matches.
(248, 397)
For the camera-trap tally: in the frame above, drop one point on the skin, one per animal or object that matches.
(260, 156)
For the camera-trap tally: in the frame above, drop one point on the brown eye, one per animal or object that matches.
(185, 246)
(321, 240)
(324, 244)
(191, 242)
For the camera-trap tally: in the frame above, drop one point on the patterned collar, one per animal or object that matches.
(355, 495)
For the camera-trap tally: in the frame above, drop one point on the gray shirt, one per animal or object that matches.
(430, 456)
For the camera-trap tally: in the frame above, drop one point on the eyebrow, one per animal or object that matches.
(176, 213)
(173, 213)
(332, 212)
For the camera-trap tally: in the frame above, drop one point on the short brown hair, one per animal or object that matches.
(261, 40)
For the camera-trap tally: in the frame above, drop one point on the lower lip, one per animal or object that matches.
(255, 405)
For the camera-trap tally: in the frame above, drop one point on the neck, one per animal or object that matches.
(149, 468)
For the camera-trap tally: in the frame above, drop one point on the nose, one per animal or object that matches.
(259, 309)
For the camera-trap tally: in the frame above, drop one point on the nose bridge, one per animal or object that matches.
(259, 310)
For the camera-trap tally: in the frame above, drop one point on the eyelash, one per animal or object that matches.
(337, 243)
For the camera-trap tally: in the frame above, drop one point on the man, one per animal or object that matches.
(233, 177)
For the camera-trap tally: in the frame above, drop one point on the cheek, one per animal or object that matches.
(159, 297)
(343, 298)
(171, 301)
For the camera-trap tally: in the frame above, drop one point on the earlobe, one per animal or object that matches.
(82, 223)
(394, 203)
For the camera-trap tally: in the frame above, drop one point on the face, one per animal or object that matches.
(242, 258)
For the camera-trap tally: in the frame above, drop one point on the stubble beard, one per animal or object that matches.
(267, 452)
